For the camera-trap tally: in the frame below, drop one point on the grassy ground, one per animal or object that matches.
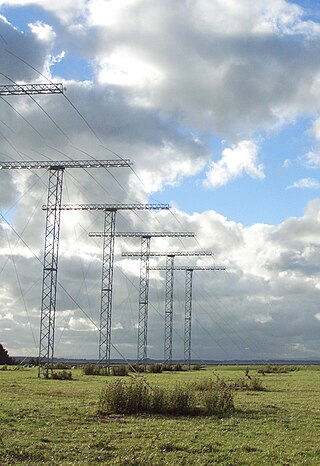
(54, 422)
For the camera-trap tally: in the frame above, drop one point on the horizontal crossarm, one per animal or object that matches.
(170, 254)
(145, 234)
(57, 165)
(112, 207)
(30, 89)
(190, 267)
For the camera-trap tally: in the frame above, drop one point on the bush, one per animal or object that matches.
(173, 367)
(181, 400)
(277, 369)
(136, 396)
(208, 384)
(93, 369)
(167, 367)
(124, 398)
(252, 383)
(62, 375)
(4, 357)
(122, 370)
(155, 368)
(178, 367)
(196, 367)
(62, 366)
(219, 399)
(139, 368)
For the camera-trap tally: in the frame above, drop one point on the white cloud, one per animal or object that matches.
(212, 63)
(236, 161)
(286, 163)
(43, 31)
(81, 324)
(66, 10)
(312, 159)
(305, 183)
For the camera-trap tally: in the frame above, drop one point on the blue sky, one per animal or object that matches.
(217, 105)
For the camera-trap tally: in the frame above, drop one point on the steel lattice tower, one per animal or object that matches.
(144, 288)
(108, 234)
(188, 302)
(143, 300)
(168, 308)
(50, 268)
(50, 264)
(51, 248)
(188, 318)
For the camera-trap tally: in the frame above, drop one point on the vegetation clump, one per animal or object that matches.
(242, 383)
(277, 369)
(93, 369)
(136, 396)
(62, 375)
(4, 357)
(252, 383)
(62, 366)
(155, 368)
(120, 371)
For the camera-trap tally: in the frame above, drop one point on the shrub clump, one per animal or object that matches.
(62, 375)
(62, 366)
(277, 369)
(93, 369)
(155, 368)
(252, 383)
(196, 367)
(242, 383)
(136, 396)
(121, 370)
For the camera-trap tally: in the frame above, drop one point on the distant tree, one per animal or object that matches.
(34, 361)
(4, 356)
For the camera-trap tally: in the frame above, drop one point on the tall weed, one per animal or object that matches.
(136, 396)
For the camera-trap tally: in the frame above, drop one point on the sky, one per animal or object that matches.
(216, 103)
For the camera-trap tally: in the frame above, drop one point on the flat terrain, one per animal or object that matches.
(55, 422)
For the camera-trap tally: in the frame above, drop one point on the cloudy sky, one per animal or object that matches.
(216, 103)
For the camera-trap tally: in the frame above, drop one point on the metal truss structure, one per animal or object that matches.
(144, 287)
(168, 308)
(108, 235)
(30, 89)
(55, 164)
(51, 247)
(188, 302)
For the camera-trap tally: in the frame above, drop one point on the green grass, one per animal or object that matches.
(56, 422)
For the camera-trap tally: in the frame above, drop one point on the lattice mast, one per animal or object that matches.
(188, 303)
(144, 288)
(55, 180)
(108, 235)
(168, 307)
(51, 246)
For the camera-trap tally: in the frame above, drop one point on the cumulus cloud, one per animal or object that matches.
(312, 159)
(43, 31)
(305, 183)
(236, 161)
(210, 62)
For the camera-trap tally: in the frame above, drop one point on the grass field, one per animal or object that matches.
(55, 422)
